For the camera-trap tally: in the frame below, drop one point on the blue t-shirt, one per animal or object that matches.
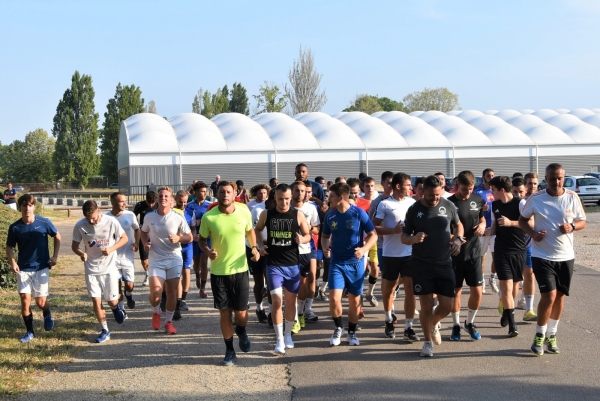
(198, 210)
(347, 231)
(32, 242)
(488, 198)
(188, 215)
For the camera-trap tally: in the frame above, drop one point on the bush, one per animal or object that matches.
(7, 217)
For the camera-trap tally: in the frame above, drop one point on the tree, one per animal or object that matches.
(207, 106)
(126, 102)
(239, 100)
(388, 104)
(372, 104)
(303, 92)
(270, 99)
(431, 99)
(30, 160)
(220, 101)
(76, 131)
(197, 103)
(151, 108)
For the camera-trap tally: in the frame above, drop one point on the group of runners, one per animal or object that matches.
(312, 239)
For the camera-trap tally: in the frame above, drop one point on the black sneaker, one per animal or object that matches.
(184, 306)
(177, 314)
(455, 336)
(552, 344)
(394, 319)
(262, 316)
(130, 301)
(513, 332)
(390, 331)
(270, 320)
(410, 335)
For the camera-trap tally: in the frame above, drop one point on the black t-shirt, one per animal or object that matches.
(282, 248)
(141, 209)
(470, 211)
(10, 192)
(213, 187)
(508, 239)
(436, 222)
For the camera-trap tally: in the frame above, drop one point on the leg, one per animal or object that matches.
(99, 310)
(172, 286)
(185, 280)
(156, 288)
(335, 302)
(443, 309)
(203, 270)
(456, 304)
(196, 267)
(426, 315)
(558, 306)
(353, 307)
(225, 323)
(507, 288)
(410, 302)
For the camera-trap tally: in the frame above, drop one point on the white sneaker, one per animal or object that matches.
(279, 348)
(427, 349)
(336, 337)
(287, 340)
(435, 336)
(521, 304)
(145, 282)
(352, 340)
(494, 284)
(310, 316)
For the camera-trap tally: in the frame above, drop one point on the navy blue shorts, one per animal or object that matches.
(347, 275)
(287, 277)
(528, 262)
(197, 250)
(187, 254)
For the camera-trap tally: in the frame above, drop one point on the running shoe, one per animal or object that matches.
(336, 337)
(552, 345)
(311, 316)
(145, 282)
(28, 337)
(156, 321)
(287, 341)
(203, 294)
(244, 342)
(130, 301)
(301, 321)
(323, 296)
(169, 328)
(361, 313)
(493, 283)
(230, 358)
(279, 348)
(372, 300)
(177, 314)
(500, 307)
(455, 336)
(296, 327)
(513, 332)
(48, 322)
(530, 316)
(119, 315)
(184, 306)
(390, 330)
(104, 336)
(269, 320)
(427, 349)
(520, 304)
(394, 319)
(472, 330)
(410, 335)
(436, 336)
(265, 293)
(261, 315)
(124, 314)
(538, 344)
(352, 339)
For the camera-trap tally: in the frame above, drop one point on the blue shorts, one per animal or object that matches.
(318, 254)
(314, 254)
(187, 254)
(380, 254)
(528, 262)
(350, 276)
(197, 250)
(287, 277)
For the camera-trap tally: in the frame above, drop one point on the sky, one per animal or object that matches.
(494, 55)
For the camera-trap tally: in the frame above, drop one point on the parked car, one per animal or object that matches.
(587, 187)
(114, 185)
(596, 175)
(19, 188)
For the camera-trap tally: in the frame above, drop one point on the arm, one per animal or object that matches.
(381, 230)
(326, 245)
(303, 238)
(212, 254)
(251, 236)
(407, 239)
(479, 229)
(505, 222)
(77, 251)
(457, 242)
(121, 242)
(54, 257)
(260, 226)
(371, 241)
(11, 258)
(183, 238)
(136, 239)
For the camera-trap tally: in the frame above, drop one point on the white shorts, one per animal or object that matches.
(166, 269)
(126, 270)
(487, 243)
(35, 283)
(12, 205)
(104, 286)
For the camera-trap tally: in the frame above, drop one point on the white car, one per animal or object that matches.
(588, 188)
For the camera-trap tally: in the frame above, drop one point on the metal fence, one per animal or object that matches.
(136, 193)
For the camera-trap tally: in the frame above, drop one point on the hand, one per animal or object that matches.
(84, 257)
(263, 251)
(486, 207)
(147, 246)
(565, 228)
(212, 254)
(255, 255)
(359, 252)
(298, 239)
(504, 222)
(327, 253)
(420, 237)
(52, 261)
(487, 232)
(538, 236)
(134, 247)
(106, 251)
(399, 227)
(15, 268)
(455, 245)
(173, 238)
(479, 229)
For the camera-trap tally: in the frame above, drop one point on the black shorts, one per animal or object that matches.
(304, 263)
(509, 266)
(394, 266)
(143, 253)
(468, 271)
(552, 275)
(256, 268)
(231, 292)
(431, 278)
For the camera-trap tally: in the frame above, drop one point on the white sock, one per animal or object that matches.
(300, 308)
(308, 305)
(121, 305)
(104, 325)
(435, 302)
(433, 310)
(128, 293)
(157, 309)
(393, 309)
(278, 331)
(323, 285)
(552, 327)
(529, 302)
(288, 327)
(270, 308)
(169, 316)
(456, 318)
(541, 329)
(471, 316)
(388, 315)
(408, 323)
(370, 291)
(259, 306)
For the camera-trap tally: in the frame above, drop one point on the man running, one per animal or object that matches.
(557, 213)
(187, 253)
(198, 207)
(125, 254)
(287, 229)
(531, 186)
(428, 227)
(487, 239)
(342, 240)
(467, 264)
(140, 210)
(29, 235)
(102, 236)
(301, 174)
(227, 225)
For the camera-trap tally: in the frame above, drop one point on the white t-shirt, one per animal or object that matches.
(106, 233)
(549, 213)
(392, 212)
(158, 228)
(312, 218)
(129, 223)
(252, 204)
(446, 195)
(256, 211)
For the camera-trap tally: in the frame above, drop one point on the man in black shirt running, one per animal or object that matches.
(140, 210)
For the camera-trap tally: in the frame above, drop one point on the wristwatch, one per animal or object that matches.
(257, 248)
(573, 225)
(460, 238)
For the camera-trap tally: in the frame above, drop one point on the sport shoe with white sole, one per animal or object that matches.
(493, 284)
(336, 337)
(372, 300)
(352, 340)
(310, 316)
(551, 344)
(287, 341)
(390, 331)
(436, 336)
(427, 349)
(279, 348)
(538, 344)
(410, 335)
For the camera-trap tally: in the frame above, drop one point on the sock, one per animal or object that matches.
(28, 322)
(128, 293)
(433, 311)
(541, 329)
(229, 344)
(239, 330)
(338, 321)
(288, 327)
(270, 306)
(510, 314)
(259, 306)
(372, 282)
(278, 331)
(456, 318)
(529, 302)
(492, 275)
(178, 304)
(104, 325)
(393, 309)
(408, 323)
(552, 327)
(308, 305)
(203, 284)
(45, 312)
(121, 305)
(435, 302)
(184, 295)
(157, 309)
(351, 327)
(388, 316)
(169, 316)
(300, 307)
(471, 316)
